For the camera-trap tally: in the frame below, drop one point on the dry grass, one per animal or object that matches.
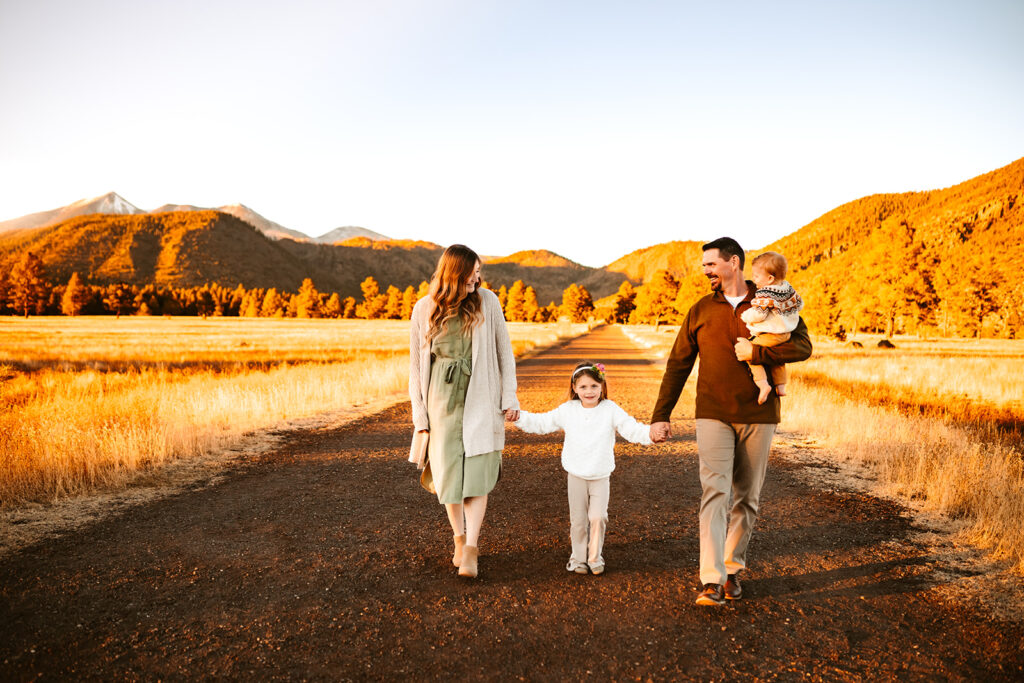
(937, 421)
(945, 468)
(977, 383)
(88, 403)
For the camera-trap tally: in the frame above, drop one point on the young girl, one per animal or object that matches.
(589, 421)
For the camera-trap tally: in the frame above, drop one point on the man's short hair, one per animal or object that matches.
(727, 248)
(773, 263)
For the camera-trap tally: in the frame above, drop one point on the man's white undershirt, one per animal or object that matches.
(735, 300)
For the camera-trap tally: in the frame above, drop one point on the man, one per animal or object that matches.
(734, 432)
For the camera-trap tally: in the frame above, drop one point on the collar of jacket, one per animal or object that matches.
(720, 296)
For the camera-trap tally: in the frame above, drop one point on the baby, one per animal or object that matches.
(773, 314)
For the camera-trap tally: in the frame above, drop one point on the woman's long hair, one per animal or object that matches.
(448, 289)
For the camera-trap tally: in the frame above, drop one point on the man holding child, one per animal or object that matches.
(734, 431)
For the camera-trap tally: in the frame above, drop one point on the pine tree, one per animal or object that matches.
(577, 304)
(234, 303)
(655, 299)
(548, 313)
(291, 304)
(408, 302)
(514, 302)
(625, 302)
(28, 289)
(272, 305)
(75, 296)
(585, 308)
(393, 303)
(530, 306)
(307, 301)
(373, 303)
(206, 304)
(250, 306)
(118, 299)
(5, 290)
(332, 309)
(349, 307)
(690, 290)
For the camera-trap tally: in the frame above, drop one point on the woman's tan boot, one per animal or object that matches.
(460, 543)
(468, 565)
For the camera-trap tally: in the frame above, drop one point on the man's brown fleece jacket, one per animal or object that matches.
(725, 388)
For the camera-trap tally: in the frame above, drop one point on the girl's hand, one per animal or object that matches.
(660, 432)
(512, 415)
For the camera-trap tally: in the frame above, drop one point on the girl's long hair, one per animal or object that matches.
(448, 290)
(591, 370)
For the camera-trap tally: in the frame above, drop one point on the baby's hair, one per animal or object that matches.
(773, 263)
(594, 371)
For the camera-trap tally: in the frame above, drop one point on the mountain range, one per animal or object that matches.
(114, 204)
(906, 259)
(187, 248)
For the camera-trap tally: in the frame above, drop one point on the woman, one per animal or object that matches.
(462, 382)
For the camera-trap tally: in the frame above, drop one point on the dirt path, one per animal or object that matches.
(325, 560)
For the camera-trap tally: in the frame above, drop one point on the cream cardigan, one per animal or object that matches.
(492, 384)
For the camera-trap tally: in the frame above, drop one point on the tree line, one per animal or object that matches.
(903, 301)
(26, 291)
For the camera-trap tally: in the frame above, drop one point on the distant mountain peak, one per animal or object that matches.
(348, 232)
(110, 202)
(115, 204)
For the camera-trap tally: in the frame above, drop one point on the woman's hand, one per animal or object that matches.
(512, 415)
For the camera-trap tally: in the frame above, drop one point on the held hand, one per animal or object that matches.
(744, 349)
(661, 431)
(512, 415)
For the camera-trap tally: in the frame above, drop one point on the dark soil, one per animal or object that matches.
(325, 560)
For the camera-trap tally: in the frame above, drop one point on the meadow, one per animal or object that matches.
(938, 422)
(90, 403)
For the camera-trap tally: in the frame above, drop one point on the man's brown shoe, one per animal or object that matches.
(733, 589)
(713, 594)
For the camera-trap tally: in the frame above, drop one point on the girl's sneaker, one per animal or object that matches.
(577, 567)
(597, 569)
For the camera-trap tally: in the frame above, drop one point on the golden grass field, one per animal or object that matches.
(937, 421)
(89, 403)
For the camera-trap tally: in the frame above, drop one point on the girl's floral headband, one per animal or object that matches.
(596, 367)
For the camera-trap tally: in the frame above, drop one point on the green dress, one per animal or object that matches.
(456, 477)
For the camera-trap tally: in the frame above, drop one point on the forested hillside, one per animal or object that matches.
(192, 248)
(939, 262)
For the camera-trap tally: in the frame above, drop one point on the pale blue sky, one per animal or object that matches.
(588, 128)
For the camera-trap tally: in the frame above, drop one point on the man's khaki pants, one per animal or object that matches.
(588, 517)
(733, 459)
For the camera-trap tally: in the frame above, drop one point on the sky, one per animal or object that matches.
(587, 128)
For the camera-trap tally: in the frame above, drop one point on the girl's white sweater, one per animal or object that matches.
(589, 448)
